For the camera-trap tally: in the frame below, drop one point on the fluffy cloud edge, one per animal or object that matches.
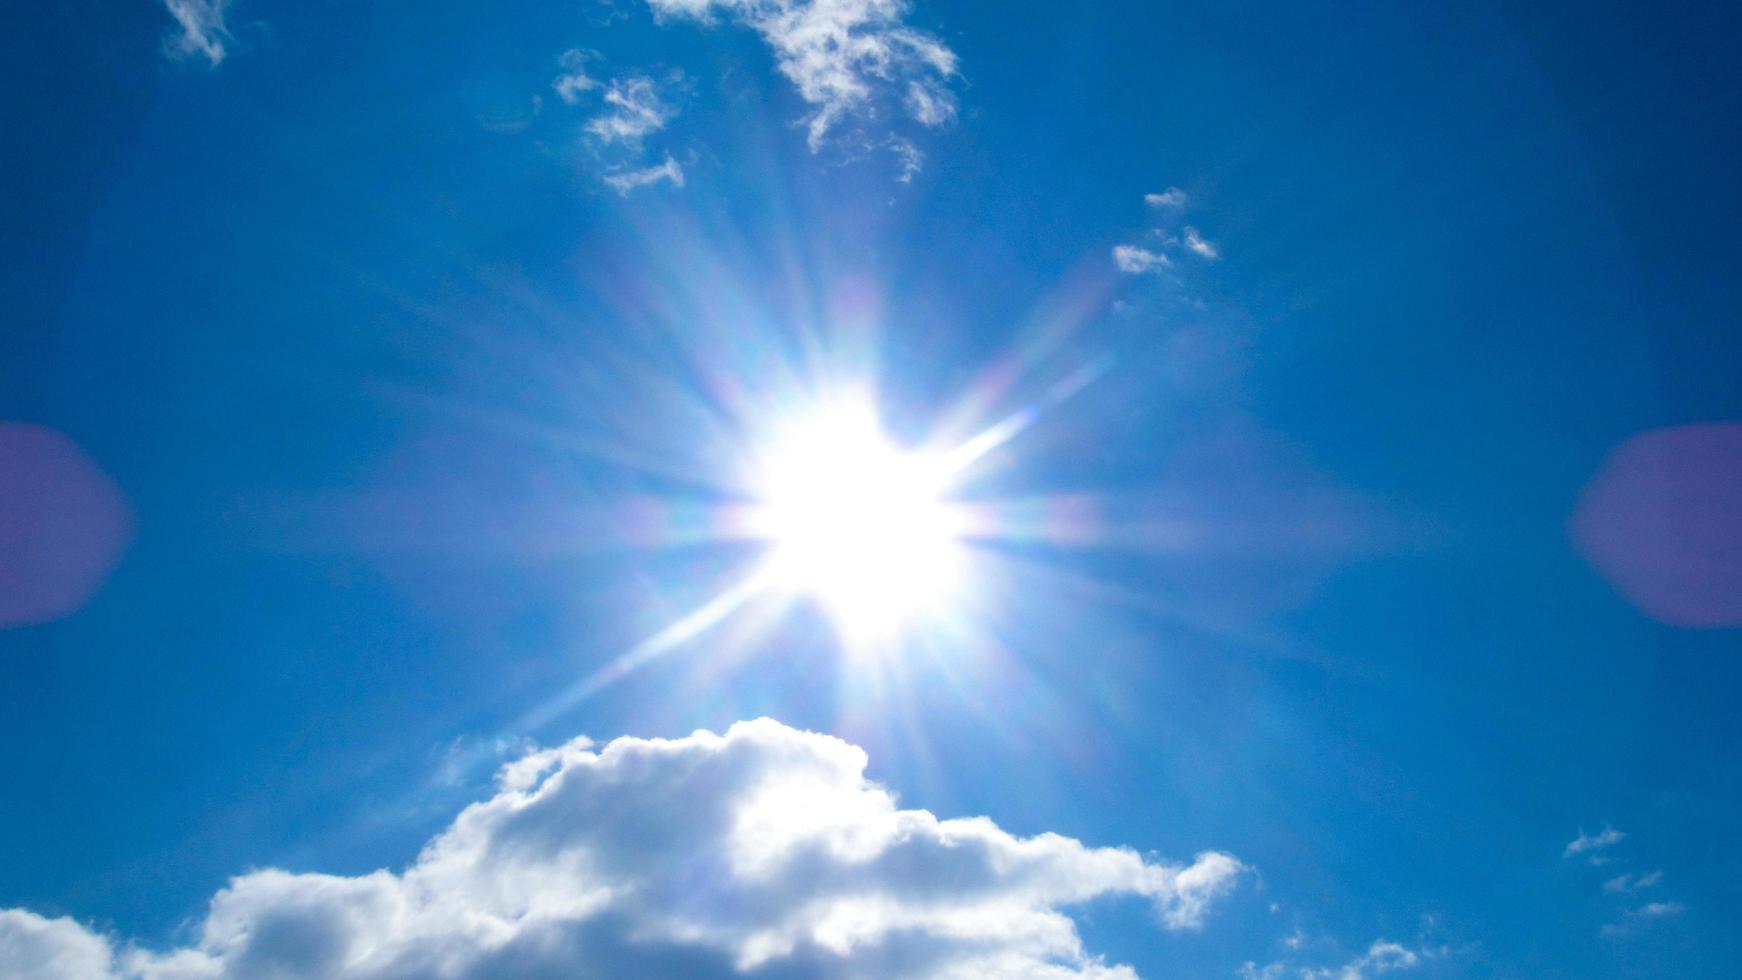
(763, 851)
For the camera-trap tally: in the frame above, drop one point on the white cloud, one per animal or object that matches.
(929, 106)
(35, 948)
(1594, 844)
(1196, 243)
(1623, 884)
(764, 852)
(1634, 920)
(1383, 956)
(843, 56)
(1135, 260)
(908, 158)
(574, 79)
(629, 180)
(1171, 199)
(636, 110)
(202, 28)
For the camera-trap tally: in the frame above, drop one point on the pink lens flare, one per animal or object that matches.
(63, 525)
(1662, 522)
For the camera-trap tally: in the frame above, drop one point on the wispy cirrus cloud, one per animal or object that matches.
(1628, 883)
(574, 82)
(763, 852)
(1592, 846)
(625, 181)
(201, 29)
(846, 58)
(1382, 956)
(626, 111)
(636, 108)
(1637, 919)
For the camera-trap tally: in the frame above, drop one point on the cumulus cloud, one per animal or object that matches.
(1135, 260)
(636, 109)
(574, 80)
(845, 57)
(629, 180)
(1592, 845)
(1196, 243)
(35, 948)
(763, 852)
(1171, 199)
(202, 31)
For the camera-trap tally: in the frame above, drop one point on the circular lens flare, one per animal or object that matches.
(857, 523)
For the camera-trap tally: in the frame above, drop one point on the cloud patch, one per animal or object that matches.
(1199, 246)
(1592, 846)
(36, 948)
(1383, 956)
(1637, 919)
(667, 172)
(627, 109)
(763, 852)
(1166, 237)
(201, 31)
(846, 58)
(1628, 883)
(1171, 199)
(635, 109)
(573, 81)
(1136, 260)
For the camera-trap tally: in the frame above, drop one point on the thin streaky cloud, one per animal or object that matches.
(1636, 919)
(668, 172)
(1593, 844)
(1381, 956)
(636, 110)
(1624, 884)
(844, 57)
(574, 80)
(202, 31)
(908, 159)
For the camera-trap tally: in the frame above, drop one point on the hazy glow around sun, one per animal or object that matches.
(856, 522)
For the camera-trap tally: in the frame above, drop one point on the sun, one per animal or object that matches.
(861, 525)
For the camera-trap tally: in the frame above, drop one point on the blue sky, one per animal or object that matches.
(1356, 582)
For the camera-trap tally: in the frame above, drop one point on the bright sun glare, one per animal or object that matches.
(859, 524)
